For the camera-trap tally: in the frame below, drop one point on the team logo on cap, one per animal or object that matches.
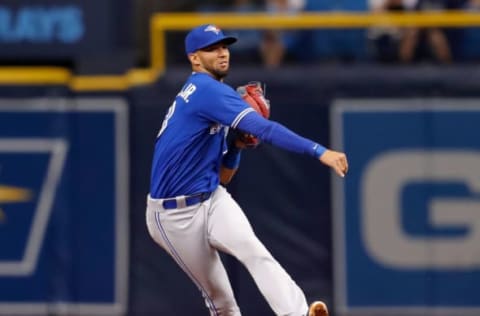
(212, 28)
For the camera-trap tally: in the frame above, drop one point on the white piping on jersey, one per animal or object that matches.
(240, 116)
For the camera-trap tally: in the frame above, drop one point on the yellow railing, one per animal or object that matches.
(162, 23)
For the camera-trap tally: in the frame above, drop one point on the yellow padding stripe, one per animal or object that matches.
(63, 76)
(134, 77)
(185, 21)
(34, 75)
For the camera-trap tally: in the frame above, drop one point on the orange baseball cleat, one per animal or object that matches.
(318, 308)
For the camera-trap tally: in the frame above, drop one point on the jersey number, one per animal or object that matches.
(171, 109)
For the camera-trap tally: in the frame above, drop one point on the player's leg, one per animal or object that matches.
(182, 233)
(230, 231)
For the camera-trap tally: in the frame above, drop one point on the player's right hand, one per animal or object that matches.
(335, 160)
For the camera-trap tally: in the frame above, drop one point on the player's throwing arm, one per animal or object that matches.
(254, 95)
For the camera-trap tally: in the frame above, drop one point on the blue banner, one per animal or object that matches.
(407, 217)
(63, 206)
(54, 28)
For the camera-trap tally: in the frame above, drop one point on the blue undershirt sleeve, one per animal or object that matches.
(278, 135)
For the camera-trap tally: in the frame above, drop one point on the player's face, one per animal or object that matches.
(213, 59)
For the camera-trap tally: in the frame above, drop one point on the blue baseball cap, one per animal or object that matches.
(205, 35)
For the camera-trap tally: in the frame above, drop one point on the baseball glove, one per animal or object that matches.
(254, 95)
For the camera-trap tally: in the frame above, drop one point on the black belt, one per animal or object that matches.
(187, 200)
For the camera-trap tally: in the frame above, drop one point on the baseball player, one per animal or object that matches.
(189, 212)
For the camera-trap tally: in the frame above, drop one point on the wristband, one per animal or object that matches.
(231, 160)
(318, 150)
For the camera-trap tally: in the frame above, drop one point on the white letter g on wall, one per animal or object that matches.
(382, 184)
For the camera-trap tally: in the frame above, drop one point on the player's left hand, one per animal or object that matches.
(254, 95)
(335, 160)
(246, 141)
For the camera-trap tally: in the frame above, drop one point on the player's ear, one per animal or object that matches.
(194, 59)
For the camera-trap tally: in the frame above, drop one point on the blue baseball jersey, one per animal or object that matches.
(192, 140)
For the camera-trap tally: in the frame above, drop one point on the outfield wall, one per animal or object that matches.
(94, 255)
